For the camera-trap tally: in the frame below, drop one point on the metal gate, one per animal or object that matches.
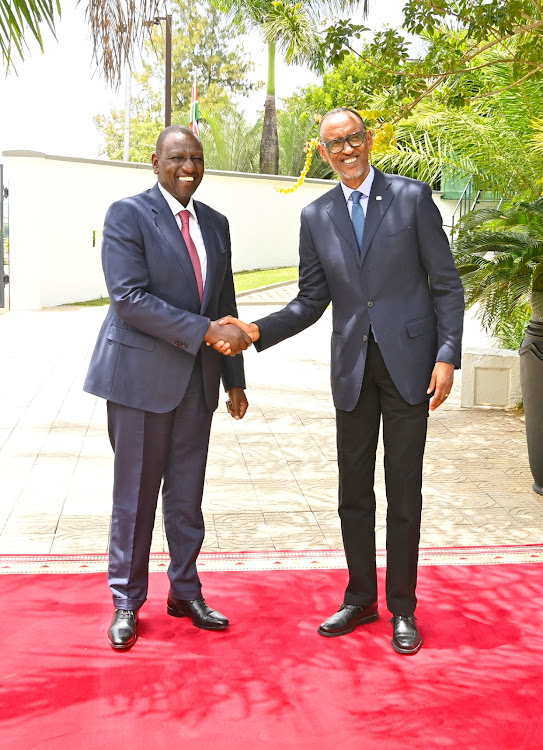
(4, 253)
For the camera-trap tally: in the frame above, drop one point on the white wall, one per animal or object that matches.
(57, 203)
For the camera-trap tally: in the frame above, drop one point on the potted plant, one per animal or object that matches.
(499, 254)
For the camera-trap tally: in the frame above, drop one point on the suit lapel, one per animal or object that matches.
(380, 198)
(165, 221)
(339, 215)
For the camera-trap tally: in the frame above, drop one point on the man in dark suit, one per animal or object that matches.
(167, 264)
(374, 246)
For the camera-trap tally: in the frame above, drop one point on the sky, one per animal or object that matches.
(50, 103)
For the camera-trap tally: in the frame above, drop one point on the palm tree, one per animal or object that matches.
(292, 26)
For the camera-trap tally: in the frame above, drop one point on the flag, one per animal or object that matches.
(194, 110)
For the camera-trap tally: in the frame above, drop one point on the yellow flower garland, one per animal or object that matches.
(309, 147)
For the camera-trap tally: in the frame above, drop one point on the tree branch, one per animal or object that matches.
(510, 86)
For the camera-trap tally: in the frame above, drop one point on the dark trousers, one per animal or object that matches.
(151, 449)
(404, 438)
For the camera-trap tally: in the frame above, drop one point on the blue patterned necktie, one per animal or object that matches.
(357, 217)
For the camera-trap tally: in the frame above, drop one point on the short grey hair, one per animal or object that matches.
(341, 109)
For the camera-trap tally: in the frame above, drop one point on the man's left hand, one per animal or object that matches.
(440, 383)
(237, 403)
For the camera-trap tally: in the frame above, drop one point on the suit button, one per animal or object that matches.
(180, 344)
(364, 337)
(370, 304)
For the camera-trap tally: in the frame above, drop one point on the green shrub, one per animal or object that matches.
(510, 330)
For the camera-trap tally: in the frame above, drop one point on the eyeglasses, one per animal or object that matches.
(338, 144)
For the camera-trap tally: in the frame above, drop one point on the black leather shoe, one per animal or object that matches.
(122, 632)
(406, 638)
(347, 618)
(199, 612)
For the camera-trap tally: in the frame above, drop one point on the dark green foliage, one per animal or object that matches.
(499, 255)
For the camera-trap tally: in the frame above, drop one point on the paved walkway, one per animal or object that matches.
(272, 478)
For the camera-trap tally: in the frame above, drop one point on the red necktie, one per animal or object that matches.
(184, 216)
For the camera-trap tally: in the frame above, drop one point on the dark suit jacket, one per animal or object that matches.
(404, 283)
(147, 345)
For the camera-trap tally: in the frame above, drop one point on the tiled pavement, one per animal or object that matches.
(272, 478)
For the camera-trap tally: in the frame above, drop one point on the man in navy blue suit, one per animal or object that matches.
(167, 264)
(374, 246)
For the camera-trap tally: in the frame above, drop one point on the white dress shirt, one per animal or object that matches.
(194, 227)
(364, 188)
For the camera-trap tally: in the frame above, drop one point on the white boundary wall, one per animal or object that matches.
(57, 207)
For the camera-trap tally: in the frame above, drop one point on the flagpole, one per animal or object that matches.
(127, 103)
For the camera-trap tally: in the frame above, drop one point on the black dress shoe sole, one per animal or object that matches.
(362, 621)
(176, 613)
(123, 646)
(407, 651)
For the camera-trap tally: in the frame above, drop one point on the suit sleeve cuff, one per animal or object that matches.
(192, 342)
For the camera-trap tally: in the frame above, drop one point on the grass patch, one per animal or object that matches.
(89, 303)
(245, 280)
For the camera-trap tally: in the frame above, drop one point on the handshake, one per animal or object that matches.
(231, 336)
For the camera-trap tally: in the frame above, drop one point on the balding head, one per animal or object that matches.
(336, 111)
(173, 129)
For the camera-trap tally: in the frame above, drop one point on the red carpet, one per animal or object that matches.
(270, 681)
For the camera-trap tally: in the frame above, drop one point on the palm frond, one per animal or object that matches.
(499, 255)
(21, 18)
(290, 28)
(117, 27)
(296, 126)
(536, 140)
(230, 144)
(497, 141)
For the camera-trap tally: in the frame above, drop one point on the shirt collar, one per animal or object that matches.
(175, 205)
(364, 188)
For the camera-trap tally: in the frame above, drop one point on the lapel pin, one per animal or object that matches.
(378, 198)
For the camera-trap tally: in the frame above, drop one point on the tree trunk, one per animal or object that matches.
(269, 145)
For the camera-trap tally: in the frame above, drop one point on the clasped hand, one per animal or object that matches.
(231, 336)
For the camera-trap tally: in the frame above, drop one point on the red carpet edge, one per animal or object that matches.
(317, 559)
